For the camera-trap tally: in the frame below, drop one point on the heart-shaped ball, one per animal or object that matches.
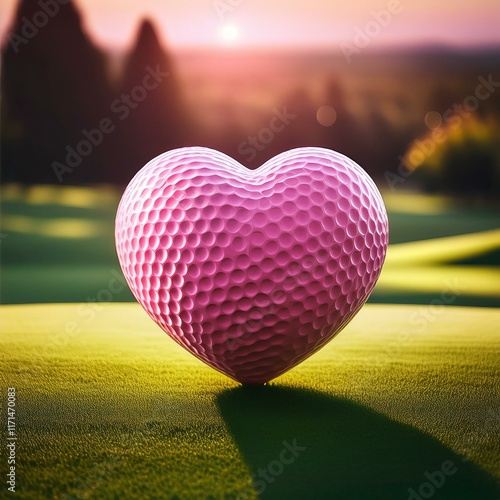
(252, 271)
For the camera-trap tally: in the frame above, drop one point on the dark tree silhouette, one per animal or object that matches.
(154, 118)
(344, 134)
(54, 86)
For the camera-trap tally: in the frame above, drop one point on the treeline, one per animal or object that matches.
(70, 114)
(64, 117)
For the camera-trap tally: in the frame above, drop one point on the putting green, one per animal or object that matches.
(107, 406)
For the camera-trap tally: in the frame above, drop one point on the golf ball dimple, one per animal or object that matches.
(251, 271)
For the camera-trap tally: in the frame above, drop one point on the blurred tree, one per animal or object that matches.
(343, 134)
(150, 105)
(443, 96)
(54, 86)
(370, 140)
(464, 161)
(382, 144)
(300, 128)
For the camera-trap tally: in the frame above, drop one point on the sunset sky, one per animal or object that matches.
(316, 23)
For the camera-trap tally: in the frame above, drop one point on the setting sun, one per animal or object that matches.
(230, 34)
(275, 23)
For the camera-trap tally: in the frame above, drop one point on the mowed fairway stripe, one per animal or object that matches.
(443, 250)
(427, 267)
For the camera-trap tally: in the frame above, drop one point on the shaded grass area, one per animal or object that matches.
(64, 283)
(57, 245)
(113, 408)
(344, 441)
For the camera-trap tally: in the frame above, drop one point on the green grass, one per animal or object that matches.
(118, 410)
(57, 246)
(109, 407)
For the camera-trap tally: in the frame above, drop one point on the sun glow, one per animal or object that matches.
(229, 34)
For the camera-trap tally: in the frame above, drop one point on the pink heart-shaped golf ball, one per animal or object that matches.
(251, 271)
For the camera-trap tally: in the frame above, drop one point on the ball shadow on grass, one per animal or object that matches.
(301, 443)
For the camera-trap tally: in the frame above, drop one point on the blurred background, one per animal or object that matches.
(91, 91)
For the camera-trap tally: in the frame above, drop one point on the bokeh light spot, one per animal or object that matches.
(326, 116)
(230, 33)
(433, 120)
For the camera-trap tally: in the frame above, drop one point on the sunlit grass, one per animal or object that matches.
(67, 196)
(453, 280)
(417, 203)
(116, 409)
(53, 228)
(427, 267)
(443, 250)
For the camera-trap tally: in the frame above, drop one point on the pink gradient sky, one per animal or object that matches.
(113, 23)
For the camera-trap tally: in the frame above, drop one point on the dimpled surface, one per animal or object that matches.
(251, 271)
